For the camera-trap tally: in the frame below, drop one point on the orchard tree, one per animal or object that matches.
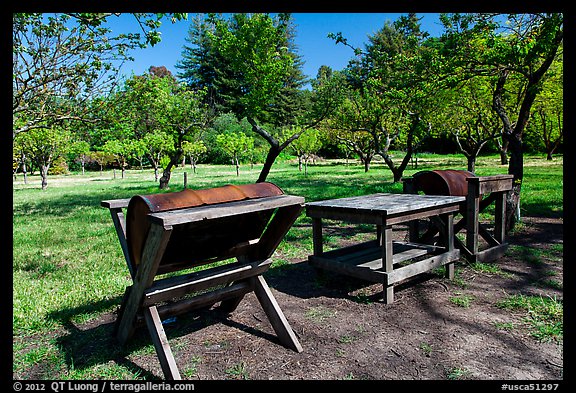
(470, 118)
(306, 146)
(517, 47)
(157, 144)
(547, 120)
(236, 145)
(61, 61)
(156, 102)
(121, 150)
(391, 83)
(184, 117)
(102, 158)
(80, 150)
(194, 151)
(43, 146)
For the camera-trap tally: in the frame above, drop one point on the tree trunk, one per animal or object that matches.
(471, 163)
(165, 179)
(504, 155)
(44, 176)
(515, 168)
(273, 153)
(237, 166)
(366, 165)
(25, 172)
(300, 163)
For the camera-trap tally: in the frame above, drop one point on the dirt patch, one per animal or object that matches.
(348, 333)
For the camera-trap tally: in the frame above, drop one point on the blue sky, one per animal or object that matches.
(312, 30)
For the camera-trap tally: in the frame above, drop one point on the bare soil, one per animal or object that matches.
(348, 333)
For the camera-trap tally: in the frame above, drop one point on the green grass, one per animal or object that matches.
(461, 300)
(490, 268)
(68, 267)
(543, 315)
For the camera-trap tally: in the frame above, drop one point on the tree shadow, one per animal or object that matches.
(93, 343)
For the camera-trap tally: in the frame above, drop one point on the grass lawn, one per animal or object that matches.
(68, 267)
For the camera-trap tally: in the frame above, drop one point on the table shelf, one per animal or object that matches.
(365, 260)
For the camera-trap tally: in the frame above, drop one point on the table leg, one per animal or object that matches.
(448, 240)
(387, 262)
(317, 236)
(318, 248)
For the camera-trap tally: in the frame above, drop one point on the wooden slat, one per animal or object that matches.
(390, 204)
(500, 218)
(486, 235)
(449, 208)
(160, 341)
(210, 212)
(488, 184)
(317, 236)
(205, 299)
(347, 269)
(355, 249)
(174, 287)
(115, 203)
(275, 315)
(119, 222)
(275, 232)
(416, 268)
(491, 254)
(369, 254)
(153, 251)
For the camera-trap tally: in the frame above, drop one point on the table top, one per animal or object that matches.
(383, 203)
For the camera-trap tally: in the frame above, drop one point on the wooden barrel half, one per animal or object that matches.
(199, 243)
(442, 182)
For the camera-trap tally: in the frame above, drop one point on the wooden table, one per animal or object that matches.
(384, 260)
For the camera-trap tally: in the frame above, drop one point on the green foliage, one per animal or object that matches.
(236, 145)
(59, 64)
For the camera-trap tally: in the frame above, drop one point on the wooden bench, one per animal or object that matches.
(238, 226)
(480, 192)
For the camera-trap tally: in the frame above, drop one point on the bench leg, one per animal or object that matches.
(160, 342)
(275, 315)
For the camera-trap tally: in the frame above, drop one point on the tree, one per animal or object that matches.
(523, 47)
(121, 151)
(102, 158)
(157, 144)
(184, 117)
(390, 84)
(305, 146)
(547, 119)
(194, 150)
(249, 64)
(236, 145)
(43, 146)
(156, 102)
(59, 65)
(80, 150)
(471, 118)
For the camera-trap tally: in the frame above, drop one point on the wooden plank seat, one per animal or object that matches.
(174, 232)
(480, 192)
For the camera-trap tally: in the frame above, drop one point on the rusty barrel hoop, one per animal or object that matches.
(448, 182)
(138, 224)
